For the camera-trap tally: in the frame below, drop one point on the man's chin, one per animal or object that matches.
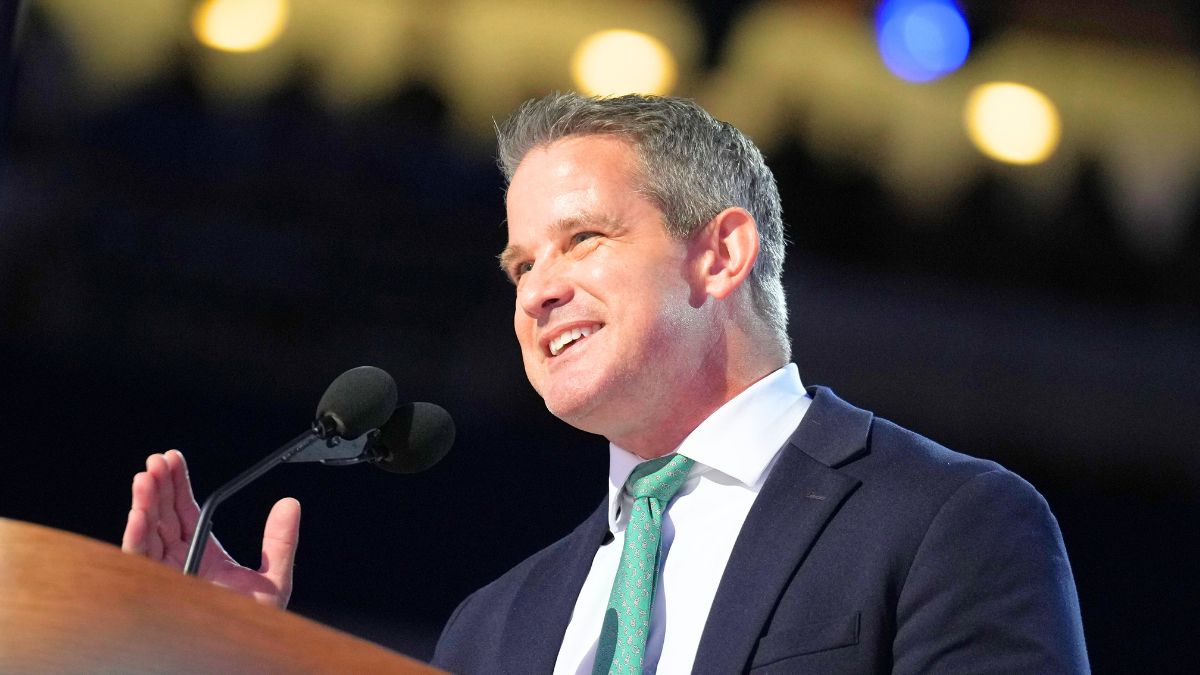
(577, 407)
(573, 414)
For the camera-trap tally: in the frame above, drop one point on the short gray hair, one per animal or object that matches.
(692, 167)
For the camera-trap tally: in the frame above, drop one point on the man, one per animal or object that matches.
(799, 534)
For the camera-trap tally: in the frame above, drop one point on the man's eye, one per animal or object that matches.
(580, 237)
(520, 269)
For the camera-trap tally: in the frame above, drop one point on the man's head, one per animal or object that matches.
(690, 164)
(636, 310)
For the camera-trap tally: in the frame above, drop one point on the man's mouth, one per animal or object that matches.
(570, 337)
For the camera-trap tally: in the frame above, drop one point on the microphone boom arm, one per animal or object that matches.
(318, 444)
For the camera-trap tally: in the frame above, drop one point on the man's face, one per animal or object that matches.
(609, 313)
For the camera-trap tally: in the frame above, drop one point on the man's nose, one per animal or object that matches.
(543, 288)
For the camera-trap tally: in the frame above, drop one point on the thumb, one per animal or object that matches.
(281, 535)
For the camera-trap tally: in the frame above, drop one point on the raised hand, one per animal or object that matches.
(163, 517)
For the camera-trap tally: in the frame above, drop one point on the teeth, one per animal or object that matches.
(567, 337)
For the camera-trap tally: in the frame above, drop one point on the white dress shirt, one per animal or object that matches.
(734, 450)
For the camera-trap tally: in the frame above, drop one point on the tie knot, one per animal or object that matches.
(659, 478)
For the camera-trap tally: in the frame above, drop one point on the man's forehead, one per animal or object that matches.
(581, 150)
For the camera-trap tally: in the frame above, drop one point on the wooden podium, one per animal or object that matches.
(69, 604)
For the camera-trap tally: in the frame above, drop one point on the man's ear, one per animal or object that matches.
(729, 248)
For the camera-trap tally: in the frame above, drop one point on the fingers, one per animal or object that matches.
(163, 513)
(164, 520)
(183, 501)
(281, 536)
(134, 539)
(141, 531)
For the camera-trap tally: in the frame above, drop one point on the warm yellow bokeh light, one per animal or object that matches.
(1012, 123)
(615, 62)
(239, 25)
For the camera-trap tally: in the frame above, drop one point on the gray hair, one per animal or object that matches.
(692, 167)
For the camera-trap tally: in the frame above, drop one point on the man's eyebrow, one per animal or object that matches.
(508, 256)
(513, 252)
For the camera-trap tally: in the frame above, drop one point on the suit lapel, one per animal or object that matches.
(542, 608)
(800, 496)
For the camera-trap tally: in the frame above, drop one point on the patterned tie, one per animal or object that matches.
(622, 645)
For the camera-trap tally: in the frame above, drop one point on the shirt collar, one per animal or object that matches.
(739, 440)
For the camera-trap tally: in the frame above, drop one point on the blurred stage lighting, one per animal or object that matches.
(615, 62)
(1012, 123)
(239, 25)
(922, 40)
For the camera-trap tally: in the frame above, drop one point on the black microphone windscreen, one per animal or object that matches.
(416, 437)
(359, 400)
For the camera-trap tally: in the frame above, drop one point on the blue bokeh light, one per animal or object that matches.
(922, 40)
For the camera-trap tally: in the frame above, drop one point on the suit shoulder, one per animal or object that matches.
(874, 450)
(909, 461)
(906, 480)
(960, 559)
(902, 478)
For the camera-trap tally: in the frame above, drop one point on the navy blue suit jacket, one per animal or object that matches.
(870, 549)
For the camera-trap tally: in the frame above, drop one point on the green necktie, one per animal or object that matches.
(622, 645)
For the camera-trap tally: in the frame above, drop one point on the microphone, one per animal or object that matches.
(348, 429)
(359, 400)
(417, 436)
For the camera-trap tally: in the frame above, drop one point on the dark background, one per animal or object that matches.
(178, 275)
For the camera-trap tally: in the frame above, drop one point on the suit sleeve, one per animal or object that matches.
(990, 588)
